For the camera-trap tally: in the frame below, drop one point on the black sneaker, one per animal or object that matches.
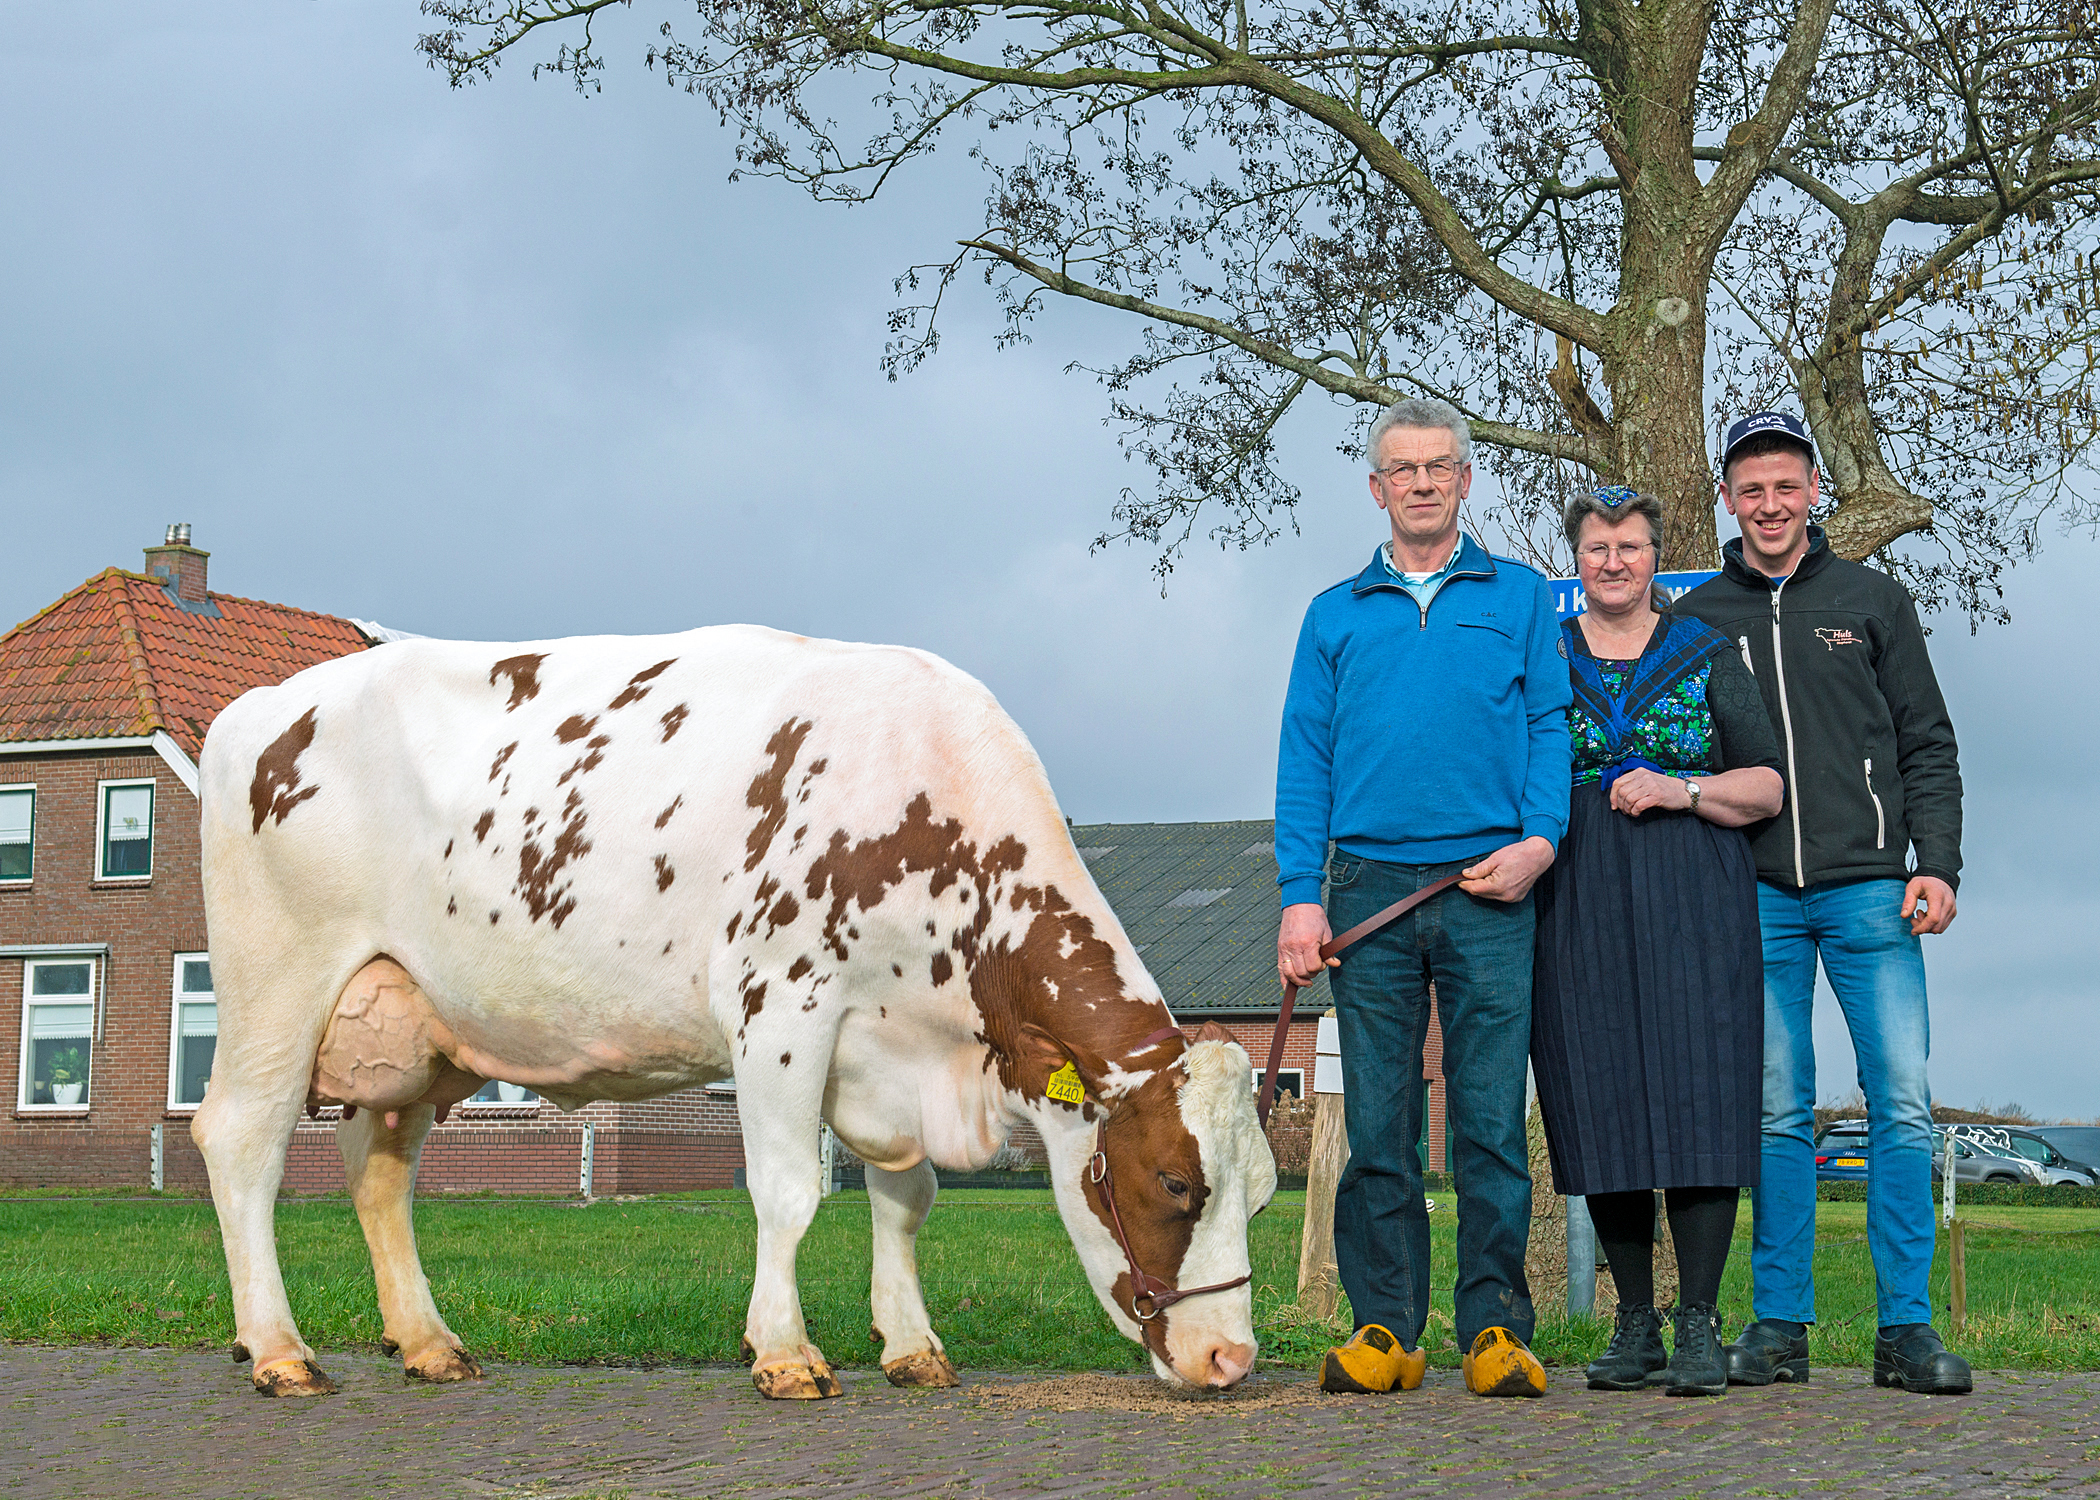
(1912, 1356)
(1696, 1366)
(1766, 1352)
(1636, 1351)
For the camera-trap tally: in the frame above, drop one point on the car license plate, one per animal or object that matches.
(1848, 1161)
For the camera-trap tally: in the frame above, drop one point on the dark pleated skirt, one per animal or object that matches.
(1647, 1032)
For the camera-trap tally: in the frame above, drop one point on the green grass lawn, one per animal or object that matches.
(665, 1281)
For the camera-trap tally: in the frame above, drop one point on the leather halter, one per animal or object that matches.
(1149, 1296)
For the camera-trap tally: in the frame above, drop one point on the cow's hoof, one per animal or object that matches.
(796, 1380)
(928, 1369)
(441, 1366)
(293, 1377)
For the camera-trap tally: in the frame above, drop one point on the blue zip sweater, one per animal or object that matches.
(1419, 735)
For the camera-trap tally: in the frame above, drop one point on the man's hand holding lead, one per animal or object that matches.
(1508, 873)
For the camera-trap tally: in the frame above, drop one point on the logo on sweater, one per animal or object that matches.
(1836, 638)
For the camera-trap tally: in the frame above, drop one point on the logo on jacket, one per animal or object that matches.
(1836, 638)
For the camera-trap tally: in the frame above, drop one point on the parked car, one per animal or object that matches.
(2081, 1143)
(1842, 1155)
(2056, 1165)
(1983, 1154)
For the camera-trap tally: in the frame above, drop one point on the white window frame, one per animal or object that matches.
(513, 1106)
(102, 791)
(176, 1106)
(23, 882)
(29, 1003)
(1281, 1075)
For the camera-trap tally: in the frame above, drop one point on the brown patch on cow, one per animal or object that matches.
(665, 816)
(784, 911)
(667, 946)
(734, 922)
(588, 762)
(539, 869)
(817, 767)
(524, 675)
(943, 969)
(861, 874)
(664, 873)
(483, 824)
(448, 848)
(575, 727)
(898, 970)
(496, 765)
(674, 720)
(492, 918)
(799, 967)
(800, 834)
(276, 785)
(885, 1011)
(786, 1058)
(452, 907)
(634, 692)
(768, 790)
(754, 996)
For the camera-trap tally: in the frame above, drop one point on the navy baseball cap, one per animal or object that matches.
(1759, 423)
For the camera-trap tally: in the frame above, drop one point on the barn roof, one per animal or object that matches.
(124, 654)
(1199, 902)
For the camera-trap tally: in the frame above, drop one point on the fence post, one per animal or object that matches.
(159, 1165)
(1957, 1261)
(827, 1160)
(1318, 1292)
(590, 1142)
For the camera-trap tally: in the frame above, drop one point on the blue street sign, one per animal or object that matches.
(1567, 592)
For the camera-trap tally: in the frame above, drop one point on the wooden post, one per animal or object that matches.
(1318, 1283)
(1957, 1261)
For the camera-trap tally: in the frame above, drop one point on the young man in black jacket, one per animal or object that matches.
(1871, 774)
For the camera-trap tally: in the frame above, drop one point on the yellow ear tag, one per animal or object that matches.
(1065, 1087)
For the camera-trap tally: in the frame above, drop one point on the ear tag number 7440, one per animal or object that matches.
(1064, 1086)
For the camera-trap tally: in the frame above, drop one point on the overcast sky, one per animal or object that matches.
(508, 363)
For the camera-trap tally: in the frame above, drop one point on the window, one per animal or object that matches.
(1290, 1082)
(17, 832)
(58, 1032)
(126, 831)
(493, 1092)
(196, 1031)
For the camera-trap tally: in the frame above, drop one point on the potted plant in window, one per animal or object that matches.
(68, 1070)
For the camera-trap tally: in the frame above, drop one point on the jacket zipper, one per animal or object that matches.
(1786, 717)
(1881, 825)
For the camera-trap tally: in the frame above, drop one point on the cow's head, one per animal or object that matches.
(1190, 1166)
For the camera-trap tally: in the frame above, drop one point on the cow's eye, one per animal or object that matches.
(1173, 1185)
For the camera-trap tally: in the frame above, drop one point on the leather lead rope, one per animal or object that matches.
(1267, 1098)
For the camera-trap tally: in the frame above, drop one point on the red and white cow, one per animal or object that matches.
(612, 867)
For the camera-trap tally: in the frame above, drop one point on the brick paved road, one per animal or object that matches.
(91, 1423)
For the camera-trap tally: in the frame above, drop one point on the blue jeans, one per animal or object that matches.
(1479, 955)
(1878, 971)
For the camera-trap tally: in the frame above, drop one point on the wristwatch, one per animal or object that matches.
(1691, 788)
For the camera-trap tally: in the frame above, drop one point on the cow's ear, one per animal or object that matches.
(1213, 1032)
(1043, 1055)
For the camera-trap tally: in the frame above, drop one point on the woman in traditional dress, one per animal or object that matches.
(1648, 999)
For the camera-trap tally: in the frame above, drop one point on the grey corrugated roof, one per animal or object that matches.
(1199, 901)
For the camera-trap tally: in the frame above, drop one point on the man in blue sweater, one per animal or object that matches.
(1425, 733)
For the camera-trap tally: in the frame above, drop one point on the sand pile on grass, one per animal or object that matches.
(1142, 1394)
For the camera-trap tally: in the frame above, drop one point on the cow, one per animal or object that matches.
(613, 867)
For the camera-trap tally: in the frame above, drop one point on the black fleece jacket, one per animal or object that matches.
(1867, 748)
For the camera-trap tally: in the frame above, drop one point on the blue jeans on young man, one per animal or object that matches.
(1877, 968)
(1478, 953)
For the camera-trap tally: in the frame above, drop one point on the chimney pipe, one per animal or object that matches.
(179, 566)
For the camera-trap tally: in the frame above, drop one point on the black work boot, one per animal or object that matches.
(1912, 1356)
(1768, 1350)
(1636, 1351)
(1696, 1366)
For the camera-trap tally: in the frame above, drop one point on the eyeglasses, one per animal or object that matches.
(1439, 470)
(1597, 554)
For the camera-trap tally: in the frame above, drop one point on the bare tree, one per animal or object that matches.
(1598, 227)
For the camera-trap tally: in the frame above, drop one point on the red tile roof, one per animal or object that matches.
(119, 656)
